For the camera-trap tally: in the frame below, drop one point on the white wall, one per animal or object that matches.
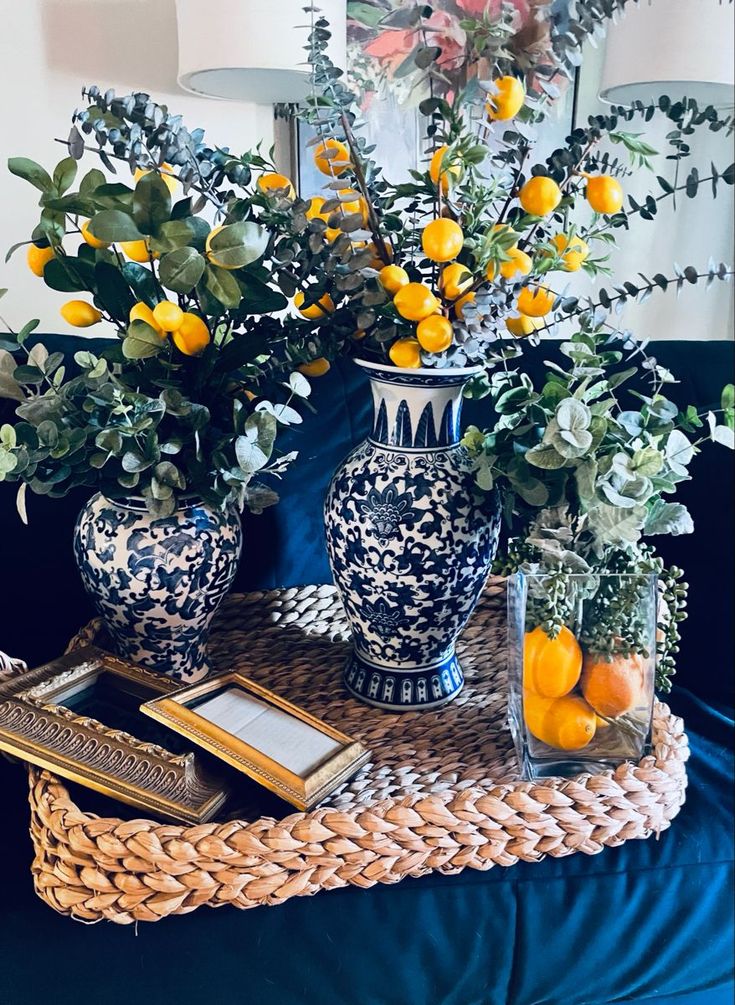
(48, 50)
(700, 228)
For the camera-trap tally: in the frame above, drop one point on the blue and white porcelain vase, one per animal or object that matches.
(410, 540)
(157, 582)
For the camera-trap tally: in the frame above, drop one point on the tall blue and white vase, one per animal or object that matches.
(410, 540)
(157, 583)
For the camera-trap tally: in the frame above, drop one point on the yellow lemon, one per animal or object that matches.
(314, 212)
(540, 195)
(276, 183)
(442, 240)
(37, 258)
(535, 301)
(138, 251)
(80, 314)
(332, 157)
(142, 312)
(392, 278)
(317, 367)
(507, 100)
(572, 251)
(448, 171)
(567, 723)
(92, 241)
(468, 298)
(406, 353)
(358, 205)
(192, 336)
(414, 302)
(604, 194)
(168, 316)
(166, 172)
(518, 264)
(522, 326)
(315, 311)
(456, 279)
(434, 333)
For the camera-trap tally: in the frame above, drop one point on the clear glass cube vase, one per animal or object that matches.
(582, 665)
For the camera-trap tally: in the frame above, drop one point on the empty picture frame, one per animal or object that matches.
(75, 717)
(284, 748)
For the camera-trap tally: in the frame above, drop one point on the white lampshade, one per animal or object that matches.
(252, 50)
(675, 47)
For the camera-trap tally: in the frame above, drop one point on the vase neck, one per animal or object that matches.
(417, 410)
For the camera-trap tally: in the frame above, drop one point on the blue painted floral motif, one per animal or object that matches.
(410, 541)
(158, 583)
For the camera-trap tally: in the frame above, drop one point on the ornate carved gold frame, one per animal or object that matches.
(36, 729)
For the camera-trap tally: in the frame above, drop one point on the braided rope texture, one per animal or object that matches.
(442, 792)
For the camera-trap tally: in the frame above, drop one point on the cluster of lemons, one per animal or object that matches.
(553, 670)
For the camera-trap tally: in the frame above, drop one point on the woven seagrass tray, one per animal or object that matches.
(442, 792)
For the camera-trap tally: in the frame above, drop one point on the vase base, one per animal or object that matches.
(401, 689)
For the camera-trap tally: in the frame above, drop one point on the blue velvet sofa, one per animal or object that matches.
(651, 921)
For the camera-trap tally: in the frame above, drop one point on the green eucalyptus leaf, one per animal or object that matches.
(258, 297)
(181, 270)
(545, 456)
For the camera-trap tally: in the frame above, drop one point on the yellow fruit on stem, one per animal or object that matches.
(447, 169)
(317, 367)
(168, 316)
(572, 251)
(566, 723)
(468, 298)
(551, 666)
(434, 333)
(406, 353)
(137, 251)
(142, 312)
(332, 157)
(166, 172)
(192, 336)
(518, 264)
(507, 100)
(522, 326)
(357, 205)
(38, 258)
(92, 241)
(414, 302)
(315, 311)
(392, 278)
(535, 301)
(80, 314)
(604, 194)
(540, 195)
(456, 279)
(273, 183)
(442, 240)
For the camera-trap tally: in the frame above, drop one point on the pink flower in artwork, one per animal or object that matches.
(442, 29)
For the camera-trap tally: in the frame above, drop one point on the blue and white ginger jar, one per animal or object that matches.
(410, 540)
(157, 582)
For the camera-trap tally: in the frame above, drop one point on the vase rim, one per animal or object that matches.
(422, 371)
(138, 502)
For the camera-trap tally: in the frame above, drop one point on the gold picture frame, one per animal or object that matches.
(336, 755)
(37, 728)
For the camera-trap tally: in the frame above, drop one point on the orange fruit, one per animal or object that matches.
(92, 241)
(271, 182)
(535, 301)
(317, 367)
(507, 100)
(566, 723)
(332, 157)
(612, 686)
(314, 212)
(414, 302)
(168, 316)
(572, 251)
(192, 336)
(604, 194)
(518, 264)
(522, 326)
(37, 259)
(315, 311)
(356, 205)
(142, 312)
(540, 195)
(468, 298)
(434, 333)
(405, 353)
(448, 169)
(442, 240)
(137, 251)
(80, 314)
(392, 278)
(456, 279)
(551, 667)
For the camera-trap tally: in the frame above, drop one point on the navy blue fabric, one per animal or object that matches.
(649, 921)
